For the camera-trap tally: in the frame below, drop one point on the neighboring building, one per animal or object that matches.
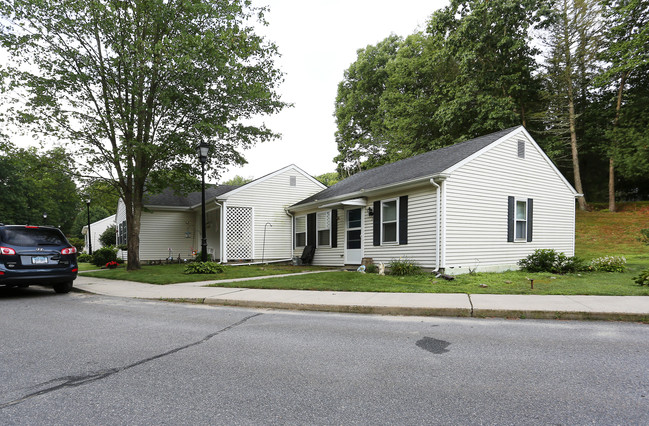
(482, 204)
(96, 229)
(243, 223)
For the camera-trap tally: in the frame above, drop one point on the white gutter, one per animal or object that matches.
(368, 192)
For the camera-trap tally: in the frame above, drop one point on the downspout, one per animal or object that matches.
(440, 228)
(437, 222)
(289, 214)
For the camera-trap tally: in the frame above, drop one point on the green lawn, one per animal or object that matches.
(512, 282)
(598, 233)
(174, 273)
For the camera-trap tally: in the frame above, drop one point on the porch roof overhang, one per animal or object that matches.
(357, 202)
(365, 193)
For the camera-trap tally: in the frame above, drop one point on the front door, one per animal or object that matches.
(353, 236)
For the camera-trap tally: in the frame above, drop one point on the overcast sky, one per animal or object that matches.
(318, 40)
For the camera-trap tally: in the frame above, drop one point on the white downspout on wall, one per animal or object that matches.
(440, 228)
(443, 219)
(437, 222)
(289, 214)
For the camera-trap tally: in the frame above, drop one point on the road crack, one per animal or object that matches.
(74, 381)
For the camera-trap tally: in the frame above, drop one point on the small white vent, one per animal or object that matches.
(293, 181)
(521, 149)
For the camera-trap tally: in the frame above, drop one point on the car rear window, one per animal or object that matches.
(32, 237)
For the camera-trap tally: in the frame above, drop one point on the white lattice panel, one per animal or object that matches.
(239, 233)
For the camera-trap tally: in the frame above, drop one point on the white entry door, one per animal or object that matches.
(353, 236)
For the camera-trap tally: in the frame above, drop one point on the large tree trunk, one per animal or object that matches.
(611, 164)
(575, 152)
(133, 205)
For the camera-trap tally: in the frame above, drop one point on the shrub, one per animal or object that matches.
(644, 236)
(566, 264)
(79, 243)
(643, 278)
(608, 264)
(403, 267)
(372, 269)
(84, 258)
(109, 236)
(197, 258)
(104, 255)
(204, 268)
(549, 260)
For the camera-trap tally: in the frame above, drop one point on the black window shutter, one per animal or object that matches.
(310, 229)
(530, 208)
(377, 223)
(403, 220)
(334, 228)
(510, 219)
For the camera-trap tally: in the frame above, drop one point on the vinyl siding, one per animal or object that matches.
(476, 208)
(421, 233)
(96, 229)
(269, 198)
(327, 255)
(161, 230)
(422, 206)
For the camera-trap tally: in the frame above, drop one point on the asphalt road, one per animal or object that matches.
(87, 359)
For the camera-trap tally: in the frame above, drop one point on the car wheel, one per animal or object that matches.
(63, 287)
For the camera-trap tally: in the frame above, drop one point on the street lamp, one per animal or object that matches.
(202, 151)
(88, 233)
(44, 218)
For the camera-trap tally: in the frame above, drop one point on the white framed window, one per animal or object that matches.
(323, 226)
(390, 221)
(520, 220)
(300, 231)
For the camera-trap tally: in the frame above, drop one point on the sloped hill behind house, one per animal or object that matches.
(601, 233)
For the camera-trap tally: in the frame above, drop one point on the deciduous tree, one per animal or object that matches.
(134, 85)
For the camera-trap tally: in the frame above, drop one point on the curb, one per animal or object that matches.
(352, 309)
(428, 312)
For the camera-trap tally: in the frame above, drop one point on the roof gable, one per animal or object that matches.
(520, 131)
(169, 198)
(409, 169)
(273, 174)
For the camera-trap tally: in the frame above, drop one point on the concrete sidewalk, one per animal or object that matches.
(627, 308)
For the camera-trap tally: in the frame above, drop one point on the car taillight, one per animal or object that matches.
(7, 251)
(69, 250)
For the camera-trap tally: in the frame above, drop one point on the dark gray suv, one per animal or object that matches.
(38, 255)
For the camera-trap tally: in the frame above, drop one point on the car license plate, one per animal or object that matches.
(39, 260)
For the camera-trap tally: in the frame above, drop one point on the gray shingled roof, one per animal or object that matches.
(169, 198)
(419, 166)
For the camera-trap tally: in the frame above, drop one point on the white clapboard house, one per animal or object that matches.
(481, 204)
(484, 203)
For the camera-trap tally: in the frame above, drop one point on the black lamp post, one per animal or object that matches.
(44, 218)
(202, 151)
(89, 234)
